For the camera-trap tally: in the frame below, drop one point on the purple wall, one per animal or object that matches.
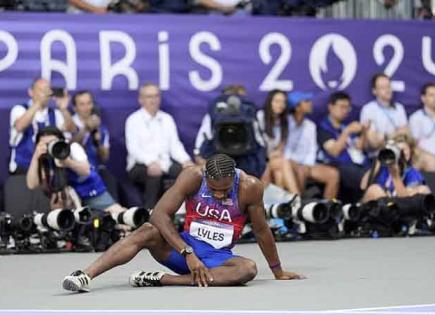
(193, 57)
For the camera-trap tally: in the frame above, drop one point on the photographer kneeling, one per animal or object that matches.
(62, 170)
(393, 174)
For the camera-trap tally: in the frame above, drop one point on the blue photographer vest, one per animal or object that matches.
(87, 187)
(23, 150)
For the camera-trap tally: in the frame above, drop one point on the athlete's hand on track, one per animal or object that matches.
(288, 275)
(200, 274)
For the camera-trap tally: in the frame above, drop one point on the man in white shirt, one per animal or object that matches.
(386, 117)
(422, 125)
(301, 147)
(154, 149)
(27, 118)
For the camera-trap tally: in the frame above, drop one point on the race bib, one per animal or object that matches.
(216, 234)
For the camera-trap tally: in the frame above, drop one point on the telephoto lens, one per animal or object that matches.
(283, 210)
(390, 154)
(312, 211)
(415, 206)
(134, 217)
(351, 212)
(59, 149)
(59, 220)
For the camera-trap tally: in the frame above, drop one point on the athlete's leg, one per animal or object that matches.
(234, 271)
(147, 236)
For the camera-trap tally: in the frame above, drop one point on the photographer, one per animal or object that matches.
(55, 170)
(91, 134)
(396, 176)
(27, 118)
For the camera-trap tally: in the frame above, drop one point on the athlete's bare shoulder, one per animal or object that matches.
(251, 189)
(189, 180)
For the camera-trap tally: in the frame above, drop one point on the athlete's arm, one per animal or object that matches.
(188, 182)
(263, 234)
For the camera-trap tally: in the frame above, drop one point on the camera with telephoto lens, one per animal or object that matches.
(390, 154)
(312, 211)
(351, 212)
(134, 217)
(58, 219)
(10, 225)
(59, 149)
(416, 206)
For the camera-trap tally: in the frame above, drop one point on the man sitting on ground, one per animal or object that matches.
(219, 199)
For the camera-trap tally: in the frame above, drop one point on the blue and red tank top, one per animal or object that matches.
(216, 222)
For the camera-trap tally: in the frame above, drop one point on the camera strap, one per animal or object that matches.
(387, 114)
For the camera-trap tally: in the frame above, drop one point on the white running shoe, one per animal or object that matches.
(146, 279)
(77, 281)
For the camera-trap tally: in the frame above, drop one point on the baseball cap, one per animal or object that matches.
(295, 97)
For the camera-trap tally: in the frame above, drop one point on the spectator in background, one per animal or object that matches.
(89, 6)
(91, 134)
(422, 125)
(342, 145)
(301, 147)
(386, 117)
(273, 121)
(27, 118)
(399, 179)
(154, 149)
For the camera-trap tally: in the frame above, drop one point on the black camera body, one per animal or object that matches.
(232, 125)
(59, 149)
(390, 154)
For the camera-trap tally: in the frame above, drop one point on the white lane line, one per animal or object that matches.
(380, 308)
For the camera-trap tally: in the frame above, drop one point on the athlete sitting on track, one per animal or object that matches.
(219, 199)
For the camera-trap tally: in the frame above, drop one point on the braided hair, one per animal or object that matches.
(219, 166)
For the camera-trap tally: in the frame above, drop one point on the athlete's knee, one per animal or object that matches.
(145, 235)
(248, 270)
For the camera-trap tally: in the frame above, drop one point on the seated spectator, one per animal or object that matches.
(154, 149)
(89, 6)
(273, 121)
(27, 118)
(301, 147)
(399, 179)
(342, 145)
(422, 125)
(94, 137)
(91, 134)
(386, 117)
(62, 179)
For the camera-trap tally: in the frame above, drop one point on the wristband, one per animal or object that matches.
(275, 265)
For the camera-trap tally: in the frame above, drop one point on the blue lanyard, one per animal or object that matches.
(384, 110)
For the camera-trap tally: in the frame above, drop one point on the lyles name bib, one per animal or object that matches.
(218, 235)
